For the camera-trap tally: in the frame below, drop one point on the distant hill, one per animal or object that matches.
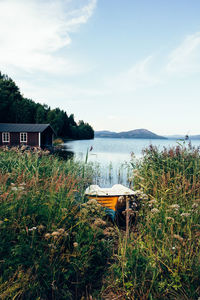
(132, 134)
(177, 137)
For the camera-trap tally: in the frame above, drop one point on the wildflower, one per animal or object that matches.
(174, 207)
(41, 227)
(5, 220)
(195, 205)
(185, 214)
(47, 235)
(173, 248)
(75, 244)
(32, 229)
(92, 201)
(109, 231)
(61, 230)
(170, 219)
(84, 211)
(21, 188)
(52, 246)
(55, 233)
(154, 210)
(153, 201)
(144, 197)
(178, 237)
(14, 188)
(99, 222)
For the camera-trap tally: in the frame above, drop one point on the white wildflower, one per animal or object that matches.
(185, 215)
(21, 188)
(32, 229)
(195, 205)
(154, 210)
(174, 206)
(14, 188)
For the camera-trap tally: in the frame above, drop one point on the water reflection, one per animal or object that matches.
(111, 157)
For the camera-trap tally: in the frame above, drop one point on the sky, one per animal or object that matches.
(116, 64)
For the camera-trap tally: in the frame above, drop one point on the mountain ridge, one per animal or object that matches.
(141, 134)
(135, 133)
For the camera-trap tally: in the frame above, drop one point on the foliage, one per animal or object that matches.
(53, 245)
(160, 260)
(50, 248)
(14, 108)
(58, 142)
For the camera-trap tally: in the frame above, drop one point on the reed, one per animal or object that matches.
(53, 245)
(49, 244)
(161, 258)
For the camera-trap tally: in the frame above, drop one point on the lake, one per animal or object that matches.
(111, 156)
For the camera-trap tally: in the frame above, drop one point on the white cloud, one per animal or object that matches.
(32, 33)
(186, 57)
(138, 76)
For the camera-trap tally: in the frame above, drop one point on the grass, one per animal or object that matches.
(161, 258)
(55, 246)
(48, 244)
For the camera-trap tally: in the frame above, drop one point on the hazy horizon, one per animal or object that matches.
(115, 64)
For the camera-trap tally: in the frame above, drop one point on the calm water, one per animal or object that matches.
(112, 155)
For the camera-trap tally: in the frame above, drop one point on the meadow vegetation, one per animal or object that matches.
(51, 244)
(161, 260)
(54, 244)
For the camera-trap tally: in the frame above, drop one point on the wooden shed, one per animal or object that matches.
(34, 135)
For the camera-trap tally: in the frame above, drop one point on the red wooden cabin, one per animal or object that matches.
(34, 135)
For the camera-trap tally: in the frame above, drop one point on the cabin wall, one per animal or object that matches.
(32, 139)
(14, 138)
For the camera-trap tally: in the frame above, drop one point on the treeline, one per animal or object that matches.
(14, 108)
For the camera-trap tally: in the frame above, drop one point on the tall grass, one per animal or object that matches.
(54, 246)
(161, 258)
(48, 243)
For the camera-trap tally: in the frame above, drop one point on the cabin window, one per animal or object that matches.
(23, 137)
(6, 137)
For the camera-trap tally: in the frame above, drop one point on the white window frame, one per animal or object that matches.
(6, 134)
(23, 137)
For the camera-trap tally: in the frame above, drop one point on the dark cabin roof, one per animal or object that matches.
(7, 127)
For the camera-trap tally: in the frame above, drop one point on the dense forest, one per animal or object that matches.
(14, 108)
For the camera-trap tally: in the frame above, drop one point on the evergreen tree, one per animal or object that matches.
(14, 108)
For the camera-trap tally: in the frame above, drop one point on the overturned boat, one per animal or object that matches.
(113, 199)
